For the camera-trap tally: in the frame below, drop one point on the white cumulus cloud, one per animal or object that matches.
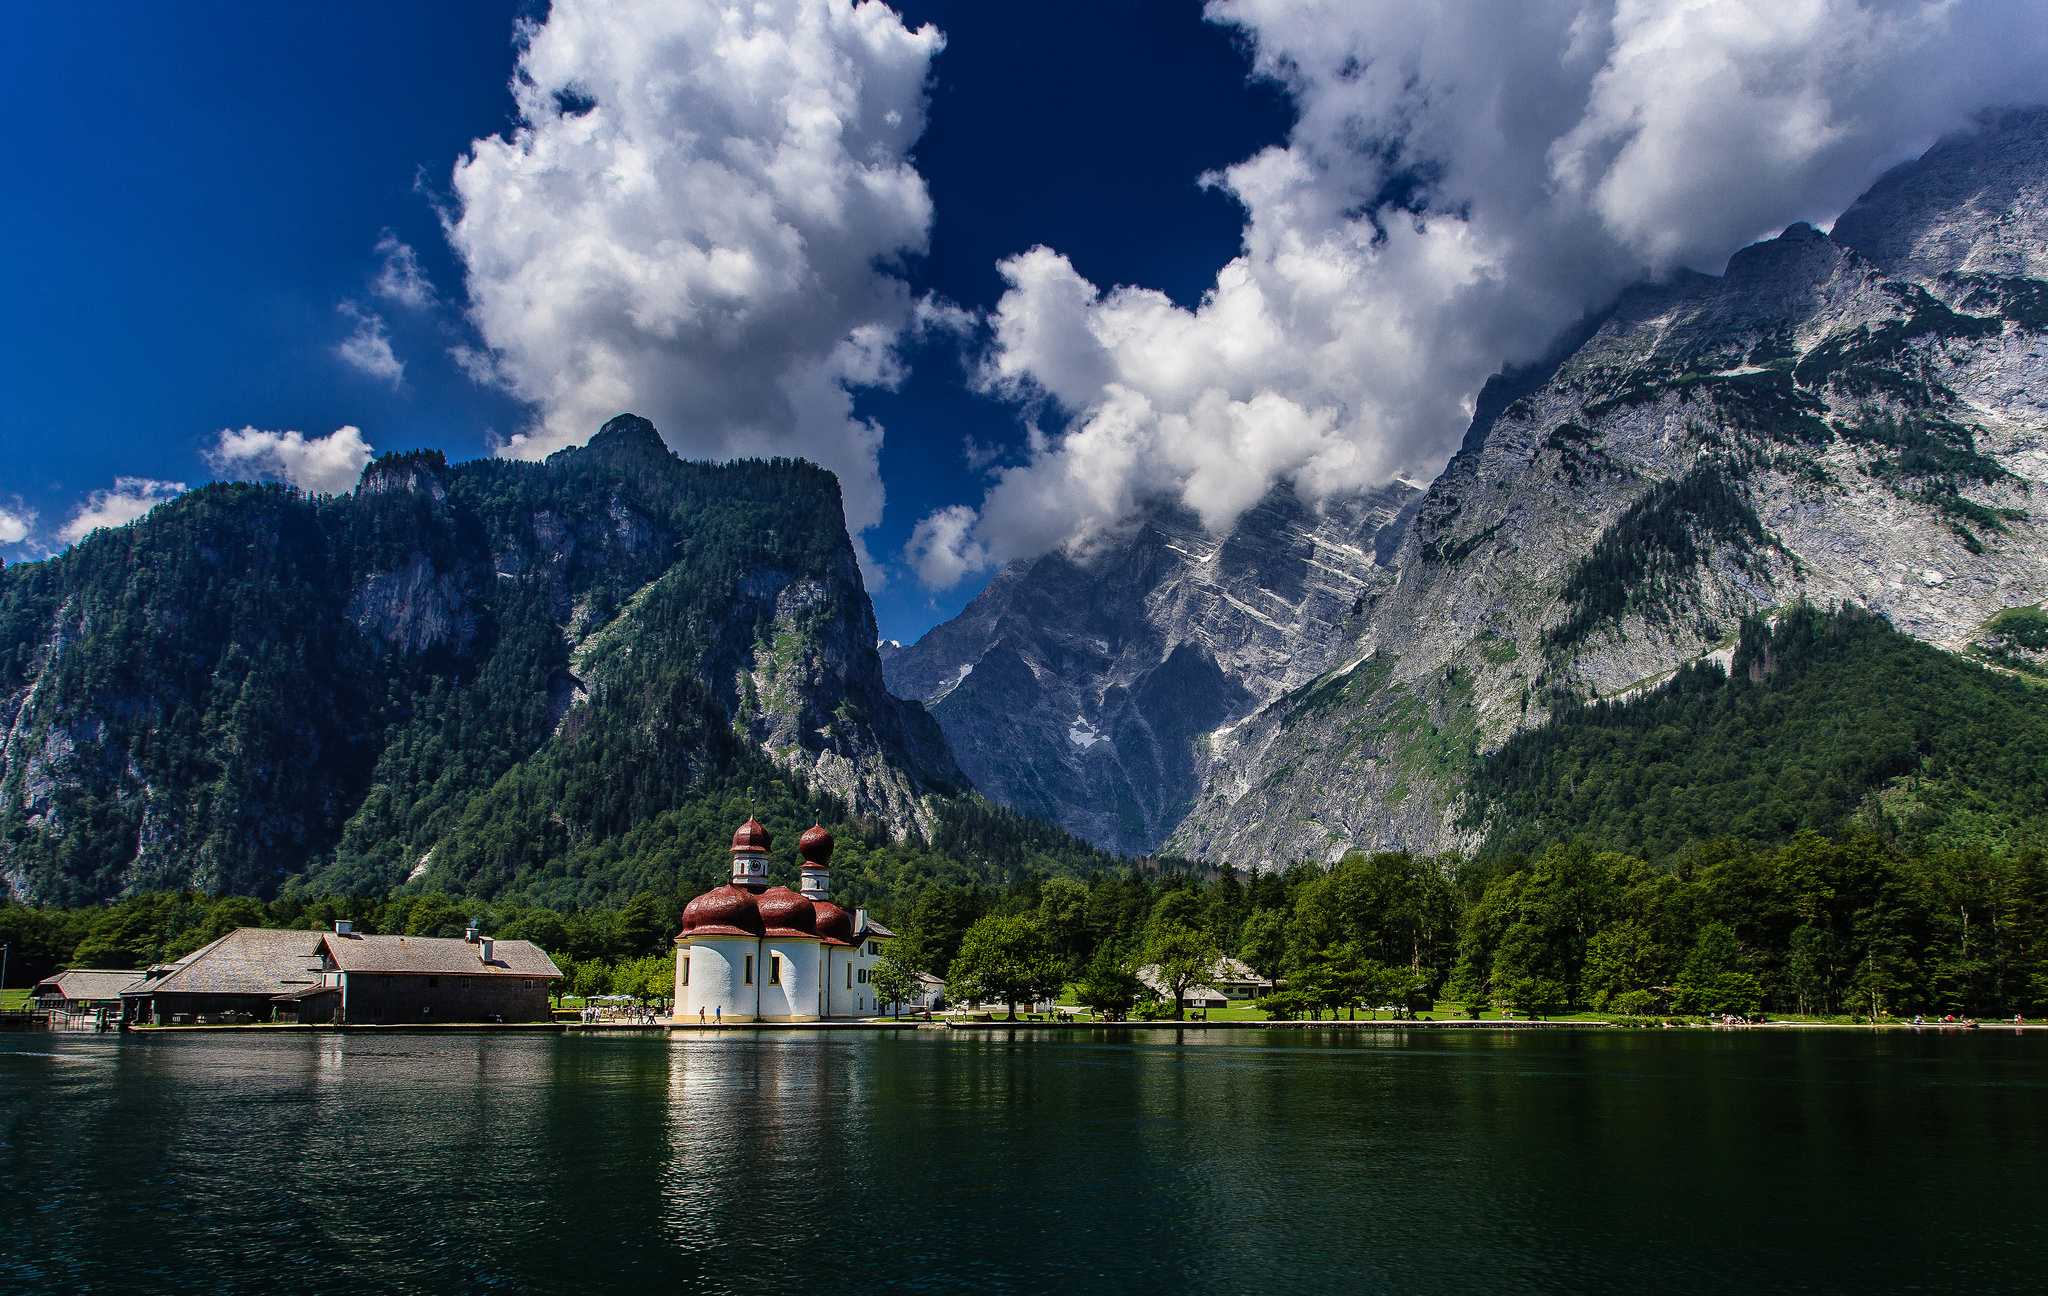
(328, 465)
(400, 277)
(16, 523)
(368, 347)
(130, 498)
(1462, 183)
(697, 221)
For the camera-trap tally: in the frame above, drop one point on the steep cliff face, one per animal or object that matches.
(1082, 690)
(1856, 418)
(248, 683)
(1816, 425)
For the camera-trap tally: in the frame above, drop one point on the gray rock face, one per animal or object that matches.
(1811, 426)
(1962, 208)
(801, 676)
(1081, 691)
(1857, 418)
(413, 608)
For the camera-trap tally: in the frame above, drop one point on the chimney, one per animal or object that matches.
(343, 927)
(484, 947)
(860, 920)
(470, 935)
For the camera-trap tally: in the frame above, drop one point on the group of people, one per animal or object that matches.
(640, 1014)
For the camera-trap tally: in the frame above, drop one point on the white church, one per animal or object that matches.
(749, 952)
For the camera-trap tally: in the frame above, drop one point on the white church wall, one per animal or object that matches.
(795, 997)
(718, 977)
(840, 986)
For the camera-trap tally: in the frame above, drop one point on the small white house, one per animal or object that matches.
(1228, 980)
(931, 994)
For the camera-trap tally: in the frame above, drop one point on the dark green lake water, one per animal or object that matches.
(1238, 1161)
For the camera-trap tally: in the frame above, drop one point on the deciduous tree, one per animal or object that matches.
(1005, 960)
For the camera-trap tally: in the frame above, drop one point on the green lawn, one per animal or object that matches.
(15, 998)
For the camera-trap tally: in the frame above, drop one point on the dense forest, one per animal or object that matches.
(1827, 721)
(1813, 925)
(487, 678)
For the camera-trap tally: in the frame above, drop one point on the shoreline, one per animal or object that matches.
(1046, 1027)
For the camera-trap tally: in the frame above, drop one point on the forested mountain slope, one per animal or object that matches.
(487, 676)
(1816, 425)
(1821, 723)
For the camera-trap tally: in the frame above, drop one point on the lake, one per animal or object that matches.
(1143, 1161)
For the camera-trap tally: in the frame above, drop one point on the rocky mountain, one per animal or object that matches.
(1845, 419)
(485, 675)
(1082, 691)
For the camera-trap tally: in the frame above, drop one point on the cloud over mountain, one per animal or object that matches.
(1462, 183)
(696, 220)
(130, 498)
(329, 465)
(16, 523)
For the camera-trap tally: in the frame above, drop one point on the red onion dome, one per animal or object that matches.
(726, 911)
(785, 913)
(834, 923)
(815, 846)
(752, 838)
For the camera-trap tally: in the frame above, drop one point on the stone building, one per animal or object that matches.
(751, 952)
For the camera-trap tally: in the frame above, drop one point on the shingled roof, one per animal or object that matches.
(246, 961)
(88, 983)
(437, 954)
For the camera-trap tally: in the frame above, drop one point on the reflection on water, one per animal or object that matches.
(1009, 1161)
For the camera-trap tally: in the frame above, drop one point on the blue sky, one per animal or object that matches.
(178, 251)
(1066, 261)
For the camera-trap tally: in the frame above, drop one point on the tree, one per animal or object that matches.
(100, 952)
(1623, 958)
(1381, 986)
(894, 980)
(1536, 996)
(593, 978)
(541, 926)
(1004, 960)
(1178, 946)
(1398, 909)
(642, 926)
(435, 915)
(1286, 1005)
(649, 978)
(1264, 945)
(1713, 979)
(939, 922)
(1063, 913)
(1224, 904)
(1334, 978)
(1109, 985)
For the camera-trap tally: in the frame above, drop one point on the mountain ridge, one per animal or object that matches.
(1102, 675)
(1810, 426)
(249, 683)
